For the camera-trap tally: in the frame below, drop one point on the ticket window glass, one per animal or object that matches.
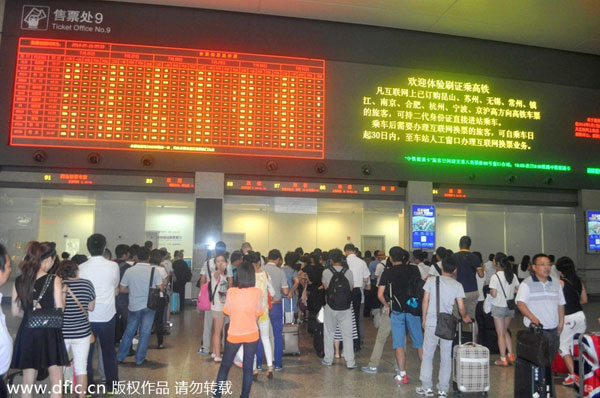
(70, 217)
(288, 223)
(514, 230)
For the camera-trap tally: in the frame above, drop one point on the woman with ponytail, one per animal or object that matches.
(503, 288)
(575, 322)
(38, 348)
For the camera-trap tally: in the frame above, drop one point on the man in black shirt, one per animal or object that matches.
(395, 282)
(467, 265)
(183, 275)
(122, 299)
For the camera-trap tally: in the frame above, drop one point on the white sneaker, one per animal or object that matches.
(428, 392)
(442, 394)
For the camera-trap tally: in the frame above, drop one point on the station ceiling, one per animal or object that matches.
(561, 24)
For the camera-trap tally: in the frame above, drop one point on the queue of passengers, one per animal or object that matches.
(245, 298)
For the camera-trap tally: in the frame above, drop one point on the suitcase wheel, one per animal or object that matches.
(456, 390)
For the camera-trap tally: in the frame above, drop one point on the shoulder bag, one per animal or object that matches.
(154, 294)
(45, 318)
(92, 337)
(446, 323)
(509, 303)
(204, 295)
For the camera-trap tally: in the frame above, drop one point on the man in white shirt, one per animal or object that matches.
(489, 269)
(104, 275)
(541, 300)
(436, 266)
(6, 344)
(553, 271)
(418, 259)
(361, 275)
(137, 282)
(279, 281)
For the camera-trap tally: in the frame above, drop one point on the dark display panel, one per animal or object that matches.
(441, 121)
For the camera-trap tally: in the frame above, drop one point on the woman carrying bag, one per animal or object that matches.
(575, 322)
(79, 299)
(503, 288)
(37, 297)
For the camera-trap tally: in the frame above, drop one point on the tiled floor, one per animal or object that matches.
(303, 376)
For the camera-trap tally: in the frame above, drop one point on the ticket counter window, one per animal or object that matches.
(287, 223)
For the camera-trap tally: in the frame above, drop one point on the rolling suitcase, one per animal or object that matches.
(471, 367)
(290, 337)
(533, 369)
(532, 381)
(174, 303)
(587, 350)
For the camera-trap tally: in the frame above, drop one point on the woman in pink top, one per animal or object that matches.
(244, 305)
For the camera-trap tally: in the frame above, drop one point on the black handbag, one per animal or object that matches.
(511, 304)
(154, 294)
(45, 318)
(533, 345)
(446, 323)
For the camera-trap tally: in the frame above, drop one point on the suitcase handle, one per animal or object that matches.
(460, 333)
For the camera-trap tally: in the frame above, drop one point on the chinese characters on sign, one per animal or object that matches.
(588, 129)
(449, 113)
(486, 163)
(118, 96)
(78, 16)
(423, 226)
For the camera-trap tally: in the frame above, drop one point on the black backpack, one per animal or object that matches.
(339, 295)
(414, 296)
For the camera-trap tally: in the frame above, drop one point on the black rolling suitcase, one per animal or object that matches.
(533, 368)
(532, 381)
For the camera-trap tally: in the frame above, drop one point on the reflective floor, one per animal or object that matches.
(185, 372)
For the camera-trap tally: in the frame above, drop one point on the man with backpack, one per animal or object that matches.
(337, 280)
(404, 287)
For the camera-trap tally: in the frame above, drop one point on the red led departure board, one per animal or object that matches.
(129, 97)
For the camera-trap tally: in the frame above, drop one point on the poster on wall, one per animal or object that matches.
(423, 226)
(593, 230)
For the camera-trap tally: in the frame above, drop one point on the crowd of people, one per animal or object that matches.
(74, 305)
(246, 298)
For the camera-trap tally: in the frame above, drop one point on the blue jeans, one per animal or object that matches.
(144, 319)
(290, 305)
(105, 334)
(230, 350)
(276, 316)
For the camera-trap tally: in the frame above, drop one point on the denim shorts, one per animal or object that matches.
(402, 321)
(502, 312)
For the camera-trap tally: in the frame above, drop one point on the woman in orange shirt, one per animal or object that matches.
(244, 305)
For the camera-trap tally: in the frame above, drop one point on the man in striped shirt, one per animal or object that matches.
(541, 301)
